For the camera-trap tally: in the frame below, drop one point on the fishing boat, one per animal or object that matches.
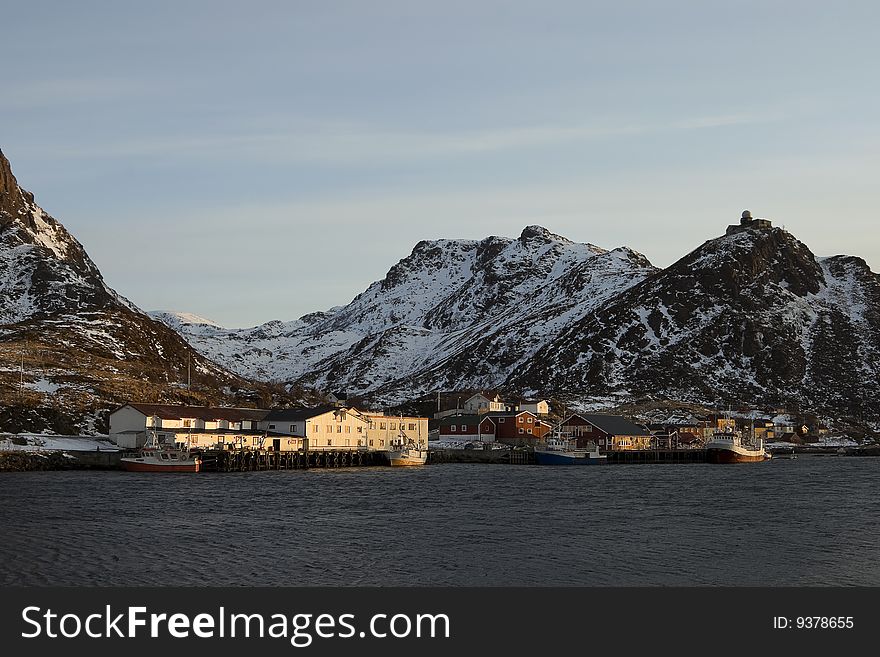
(163, 460)
(156, 457)
(564, 452)
(406, 455)
(727, 446)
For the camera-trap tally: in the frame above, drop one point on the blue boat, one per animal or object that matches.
(564, 452)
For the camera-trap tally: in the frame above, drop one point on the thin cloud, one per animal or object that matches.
(346, 143)
(50, 93)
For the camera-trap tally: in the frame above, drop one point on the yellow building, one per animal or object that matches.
(388, 430)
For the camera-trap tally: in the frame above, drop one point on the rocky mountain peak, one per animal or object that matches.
(535, 232)
(751, 259)
(12, 202)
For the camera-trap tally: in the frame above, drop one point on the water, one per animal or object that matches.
(810, 521)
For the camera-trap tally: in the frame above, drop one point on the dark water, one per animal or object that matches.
(810, 521)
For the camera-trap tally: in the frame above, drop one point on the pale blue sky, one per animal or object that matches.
(256, 161)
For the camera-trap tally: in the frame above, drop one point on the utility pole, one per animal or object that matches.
(188, 373)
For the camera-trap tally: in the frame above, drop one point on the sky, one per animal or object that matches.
(262, 160)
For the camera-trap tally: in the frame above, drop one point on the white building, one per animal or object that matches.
(130, 423)
(484, 403)
(536, 406)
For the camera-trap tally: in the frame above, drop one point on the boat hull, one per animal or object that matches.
(407, 461)
(735, 456)
(560, 458)
(408, 457)
(151, 465)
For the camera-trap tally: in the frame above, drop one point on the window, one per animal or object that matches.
(464, 427)
(412, 426)
(529, 430)
(360, 429)
(520, 430)
(338, 428)
(347, 442)
(187, 423)
(520, 420)
(452, 428)
(530, 420)
(381, 425)
(329, 442)
(393, 426)
(381, 443)
(329, 428)
(501, 420)
(347, 429)
(292, 428)
(371, 442)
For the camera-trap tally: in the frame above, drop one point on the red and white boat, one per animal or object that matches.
(152, 459)
(728, 447)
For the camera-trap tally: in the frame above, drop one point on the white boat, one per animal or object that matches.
(152, 459)
(157, 457)
(728, 447)
(410, 455)
(405, 451)
(564, 452)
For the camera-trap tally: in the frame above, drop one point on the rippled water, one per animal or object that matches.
(810, 521)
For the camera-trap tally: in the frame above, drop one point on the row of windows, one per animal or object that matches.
(384, 426)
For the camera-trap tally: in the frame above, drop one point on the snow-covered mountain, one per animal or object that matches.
(70, 347)
(750, 317)
(470, 312)
(753, 317)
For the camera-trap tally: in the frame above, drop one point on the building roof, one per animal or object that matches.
(614, 425)
(461, 419)
(175, 412)
(297, 414)
(491, 395)
(509, 413)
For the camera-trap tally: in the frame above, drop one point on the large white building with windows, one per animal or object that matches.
(327, 427)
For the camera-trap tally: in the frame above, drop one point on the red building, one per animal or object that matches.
(468, 427)
(519, 428)
(607, 432)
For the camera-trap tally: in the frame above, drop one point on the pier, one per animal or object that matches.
(656, 456)
(248, 460)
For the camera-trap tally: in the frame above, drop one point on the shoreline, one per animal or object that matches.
(56, 460)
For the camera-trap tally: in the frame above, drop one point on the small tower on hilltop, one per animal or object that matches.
(747, 222)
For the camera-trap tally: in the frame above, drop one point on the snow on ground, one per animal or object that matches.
(451, 443)
(43, 385)
(830, 441)
(40, 443)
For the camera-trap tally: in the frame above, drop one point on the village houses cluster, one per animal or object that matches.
(487, 417)
(479, 419)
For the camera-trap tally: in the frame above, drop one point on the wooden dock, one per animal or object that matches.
(657, 456)
(527, 456)
(495, 456)
(249, 460)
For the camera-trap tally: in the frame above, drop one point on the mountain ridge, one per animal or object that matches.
(78, 348)
(751, 317)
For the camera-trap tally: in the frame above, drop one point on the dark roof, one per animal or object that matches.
(508, 413)
(461, 419)
(614, 425)
(172, 412)
(296, 414)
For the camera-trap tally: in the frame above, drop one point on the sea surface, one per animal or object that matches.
(810, 521)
